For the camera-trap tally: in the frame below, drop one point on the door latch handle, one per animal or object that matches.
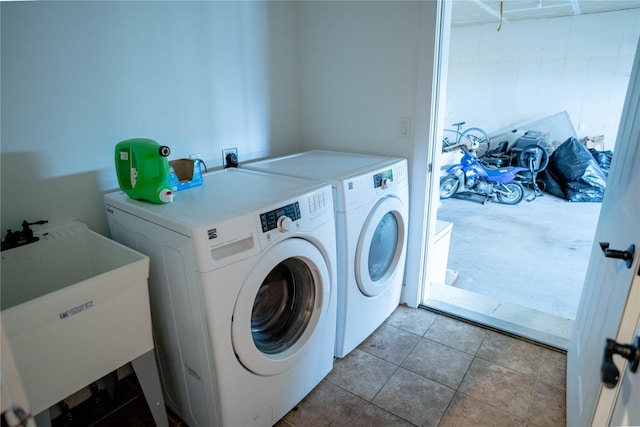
(626, 256)
(609, 372)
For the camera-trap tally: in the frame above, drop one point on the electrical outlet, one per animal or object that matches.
(230, 158)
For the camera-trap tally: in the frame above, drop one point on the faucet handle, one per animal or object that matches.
(28, 232)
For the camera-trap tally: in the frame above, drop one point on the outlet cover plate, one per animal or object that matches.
(226, 152)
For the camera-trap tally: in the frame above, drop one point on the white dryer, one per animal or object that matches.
(242, 287)
(371, 199)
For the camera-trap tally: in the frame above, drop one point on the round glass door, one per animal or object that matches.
(279, 307)
(381, 246)
(283, 306)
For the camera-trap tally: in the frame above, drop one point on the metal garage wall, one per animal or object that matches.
(532, 69)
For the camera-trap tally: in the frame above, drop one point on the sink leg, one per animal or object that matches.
(147, 373)
(111, 381)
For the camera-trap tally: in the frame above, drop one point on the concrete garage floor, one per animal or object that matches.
(520, 268)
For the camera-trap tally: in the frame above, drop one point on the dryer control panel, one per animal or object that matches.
(366, 188)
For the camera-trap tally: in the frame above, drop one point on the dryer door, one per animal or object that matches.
(279, 307)
(381, 247)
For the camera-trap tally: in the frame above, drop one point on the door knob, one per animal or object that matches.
(627, 255)
(609, 372)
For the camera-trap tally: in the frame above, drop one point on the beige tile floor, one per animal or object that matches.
(421, 368)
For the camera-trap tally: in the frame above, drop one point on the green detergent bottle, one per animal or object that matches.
(143, 170)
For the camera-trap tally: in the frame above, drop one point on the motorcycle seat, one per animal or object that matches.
(496, 171)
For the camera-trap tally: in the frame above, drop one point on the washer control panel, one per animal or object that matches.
(276, 218)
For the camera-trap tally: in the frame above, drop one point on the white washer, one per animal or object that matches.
(371, 199)
(242, 287)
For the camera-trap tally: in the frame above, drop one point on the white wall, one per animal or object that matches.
(533, 69)
(358, 63)
(78, 77)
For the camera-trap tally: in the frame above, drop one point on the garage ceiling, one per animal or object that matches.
(472, 12)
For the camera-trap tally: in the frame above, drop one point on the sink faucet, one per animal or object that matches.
(13, 239)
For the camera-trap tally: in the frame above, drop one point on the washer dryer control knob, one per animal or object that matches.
(384, 184)
(284, 223)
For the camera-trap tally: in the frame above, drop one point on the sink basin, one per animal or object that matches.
(75, 306)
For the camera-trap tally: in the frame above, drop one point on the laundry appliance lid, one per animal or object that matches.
(224, 194)
(324, 165)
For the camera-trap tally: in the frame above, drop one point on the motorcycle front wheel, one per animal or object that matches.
(448, 186)
(514, 194)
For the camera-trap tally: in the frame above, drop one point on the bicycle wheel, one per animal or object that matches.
(477, 139)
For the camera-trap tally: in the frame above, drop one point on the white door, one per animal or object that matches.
(610, 288)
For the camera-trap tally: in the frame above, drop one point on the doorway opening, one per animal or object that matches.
(521, 268)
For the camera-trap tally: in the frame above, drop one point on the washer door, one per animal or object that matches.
(280, 305)
(380, 246)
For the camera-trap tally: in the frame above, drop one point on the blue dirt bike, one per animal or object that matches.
(493, 183)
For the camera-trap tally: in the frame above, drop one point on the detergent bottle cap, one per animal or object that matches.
(166, 196)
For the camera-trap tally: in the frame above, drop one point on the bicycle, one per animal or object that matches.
(474, 139)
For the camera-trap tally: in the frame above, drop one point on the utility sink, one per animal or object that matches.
(75, 307)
